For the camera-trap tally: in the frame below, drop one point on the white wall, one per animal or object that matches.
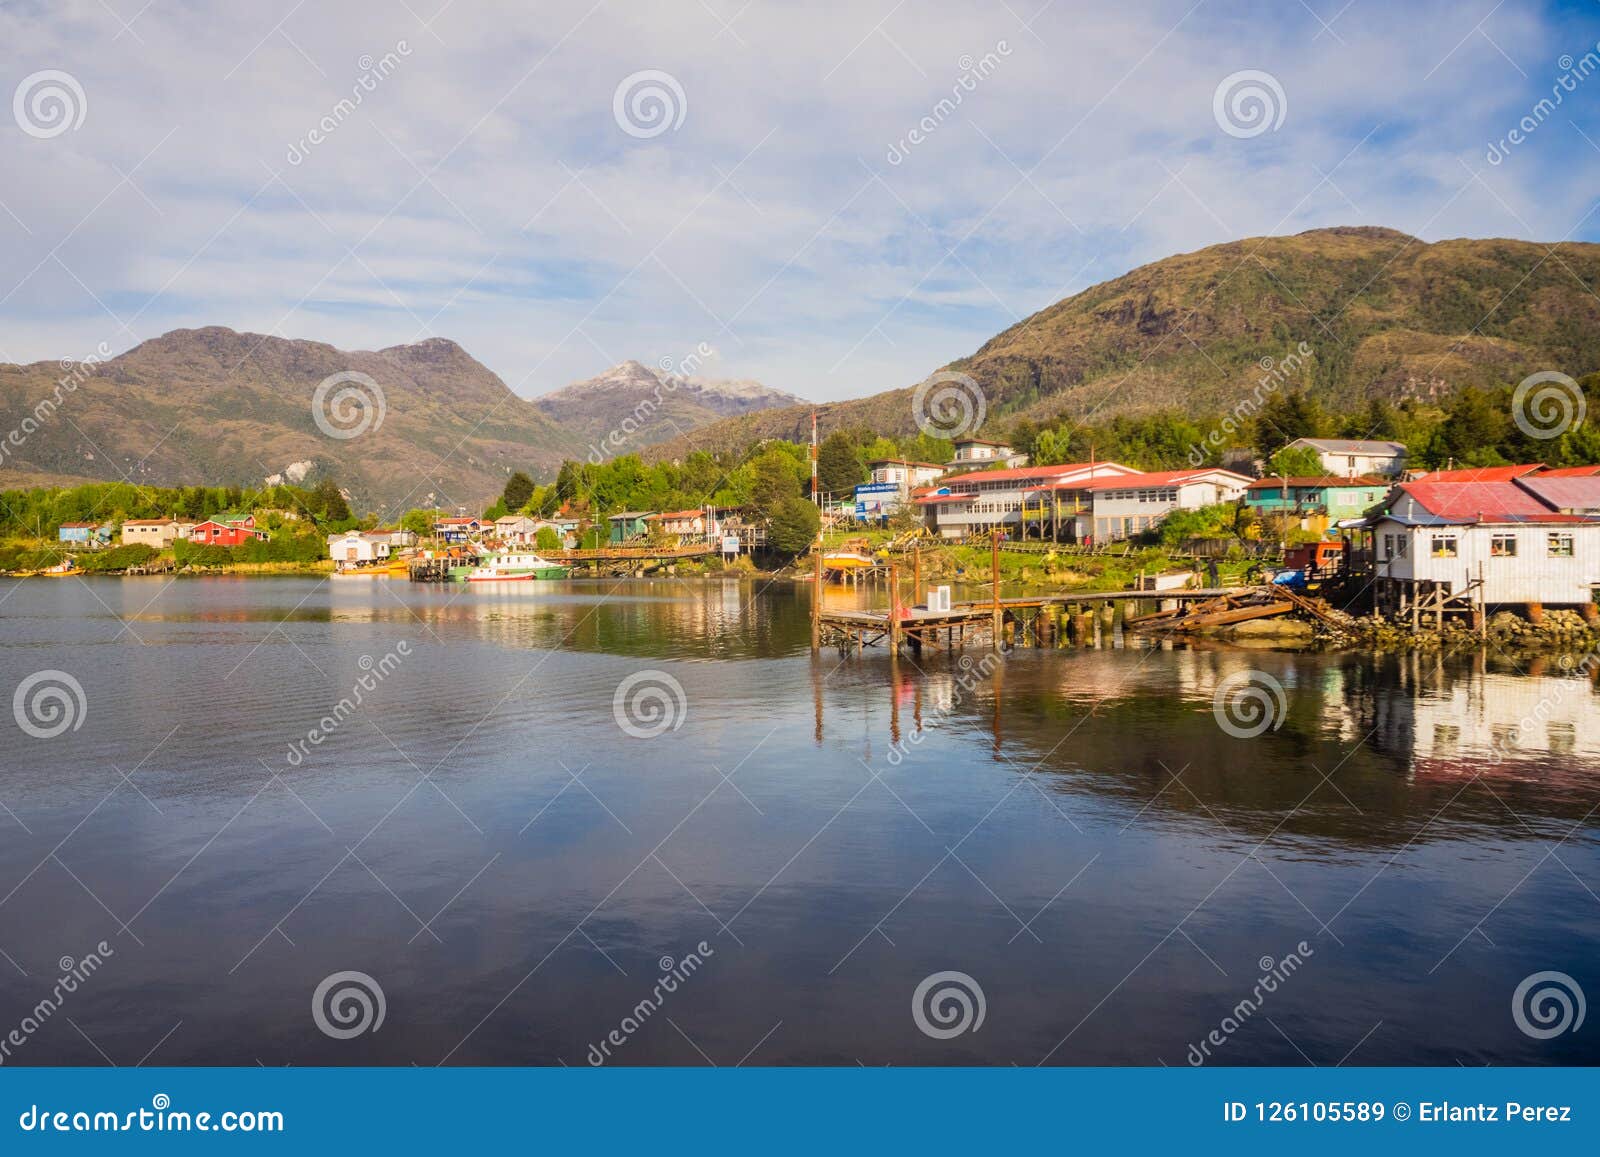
(1529, 576)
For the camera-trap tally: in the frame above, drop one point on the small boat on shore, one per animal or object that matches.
(511, 566)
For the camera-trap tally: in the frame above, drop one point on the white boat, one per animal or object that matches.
(513, 566)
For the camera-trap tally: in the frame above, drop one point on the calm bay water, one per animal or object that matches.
(1072, 830)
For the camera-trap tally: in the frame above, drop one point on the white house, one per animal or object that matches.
(893, 482)
(517, 528)
(1530, 539)
(1353, 457)
(1122, 507)
(356, 548)
(156, 532)
(976, 453)
(1024, 501)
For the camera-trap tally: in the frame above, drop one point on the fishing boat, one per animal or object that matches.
(511, 566)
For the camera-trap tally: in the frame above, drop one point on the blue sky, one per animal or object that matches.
(485, 189)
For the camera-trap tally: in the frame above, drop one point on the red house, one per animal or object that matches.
(213, 533)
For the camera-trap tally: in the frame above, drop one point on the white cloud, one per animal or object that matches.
(482, 190)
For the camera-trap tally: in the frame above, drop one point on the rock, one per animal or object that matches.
(1281, 627)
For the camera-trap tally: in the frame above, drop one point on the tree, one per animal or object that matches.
(1286, 417)
(547, 539)
(519, 488)
(1296, 462)
(327, 501)
(838, 467)
(418, 522)
(793, 525)
(772, 480)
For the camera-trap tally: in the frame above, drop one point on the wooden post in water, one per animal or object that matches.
(916, 574)
(995, 624)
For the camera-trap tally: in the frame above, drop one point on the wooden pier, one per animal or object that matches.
(998, 622)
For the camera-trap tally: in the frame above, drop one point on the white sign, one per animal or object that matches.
(730, 544)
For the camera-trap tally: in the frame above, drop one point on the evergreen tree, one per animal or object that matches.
(519, 488)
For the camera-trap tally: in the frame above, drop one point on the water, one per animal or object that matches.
(1073, 831)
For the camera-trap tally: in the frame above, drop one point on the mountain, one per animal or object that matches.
(656, 406)
(1384, 314)
(211, 406)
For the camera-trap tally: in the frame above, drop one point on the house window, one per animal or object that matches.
(1444, 546)
(1503, 546)
(1560, 546)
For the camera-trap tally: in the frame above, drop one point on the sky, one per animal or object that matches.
(831, 198)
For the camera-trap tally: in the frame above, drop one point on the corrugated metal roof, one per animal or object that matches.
(1480, 473)
(1032, 473)
(1351, 445)
(1564, 493)
(1572, 472)
(1144, 480)
(1466, 503)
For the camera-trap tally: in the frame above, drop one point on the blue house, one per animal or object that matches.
(87, 533)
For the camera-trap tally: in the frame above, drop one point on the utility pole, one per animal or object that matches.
(816, 494)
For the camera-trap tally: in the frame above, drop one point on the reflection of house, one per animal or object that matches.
(628, 524)
(681, 522)
(1025, 500)
(1533, 539)
(1336, 497)
(156, 532)
(976, 454)
(1354, 457)
(1459, 723)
